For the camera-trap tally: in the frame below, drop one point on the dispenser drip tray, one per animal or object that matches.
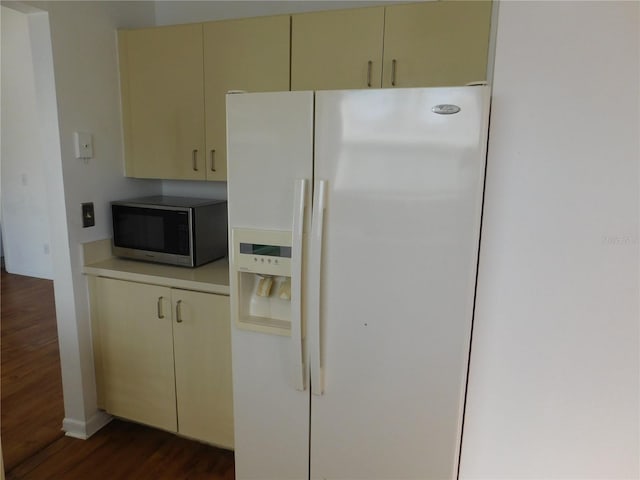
(265, 302)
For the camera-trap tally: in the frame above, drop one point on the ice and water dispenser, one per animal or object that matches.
(262, 265)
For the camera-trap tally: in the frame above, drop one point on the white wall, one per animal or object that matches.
(186, 188)
(554, 375)
(77, 42)
(25, 220)
(173, 12)
(86, 70)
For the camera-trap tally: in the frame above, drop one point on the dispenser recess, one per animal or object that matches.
(261, 261)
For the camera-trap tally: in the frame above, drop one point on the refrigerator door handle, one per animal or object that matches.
(297, 359)
(315, 270)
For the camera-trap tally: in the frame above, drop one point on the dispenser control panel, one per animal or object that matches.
(262, 251)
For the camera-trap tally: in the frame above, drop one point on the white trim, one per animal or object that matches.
(84, 430)
(493, 36)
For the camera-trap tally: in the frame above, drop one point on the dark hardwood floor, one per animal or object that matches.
(31, 386)
(33, 444)
(124, 450)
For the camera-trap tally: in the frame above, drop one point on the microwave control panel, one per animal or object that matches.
(266, 252)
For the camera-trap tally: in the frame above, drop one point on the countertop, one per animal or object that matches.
(211, 278)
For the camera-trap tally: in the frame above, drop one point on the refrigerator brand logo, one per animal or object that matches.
(445, 109)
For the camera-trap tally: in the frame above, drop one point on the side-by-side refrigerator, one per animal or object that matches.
(354, 231)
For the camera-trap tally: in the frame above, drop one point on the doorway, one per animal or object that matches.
(23, 181)
(32, 400)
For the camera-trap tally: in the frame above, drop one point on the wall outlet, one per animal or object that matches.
(88, 218)
(83, 143)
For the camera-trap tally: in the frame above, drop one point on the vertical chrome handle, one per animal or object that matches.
(393, 72)
(213, 160)
(297, 346)
(179, 311)
(315, 269)
(160, 312)
(194, 159)
(369, 65)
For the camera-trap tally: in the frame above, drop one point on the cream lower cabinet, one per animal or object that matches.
(163, 358)
(202, 348)
(135, 340)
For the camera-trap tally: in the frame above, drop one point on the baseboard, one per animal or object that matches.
(83, 430)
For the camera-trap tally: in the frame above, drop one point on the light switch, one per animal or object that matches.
(88, 218)
(83, 145)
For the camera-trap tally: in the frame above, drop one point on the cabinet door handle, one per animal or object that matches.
(194, 159)
(369, 65)
(393, 72)
(179, 311)
(160, 312)
(213, 160)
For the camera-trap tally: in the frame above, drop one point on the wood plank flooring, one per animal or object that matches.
(31, 399)
(124, 450)
(33, 444)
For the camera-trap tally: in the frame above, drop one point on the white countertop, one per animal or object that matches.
(212, 277)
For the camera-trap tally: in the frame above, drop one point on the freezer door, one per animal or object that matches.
(269, 145)
(403, 178)
(271, 137)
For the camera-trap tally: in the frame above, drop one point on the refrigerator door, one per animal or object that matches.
(270, 146)
(403, 174)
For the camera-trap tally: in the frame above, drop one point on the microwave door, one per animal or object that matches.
(151, 230)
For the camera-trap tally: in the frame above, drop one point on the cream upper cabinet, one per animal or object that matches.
(436, 43)
(162, 87)
(136, 351)
(202, 343)
(340, 49)
(174, 79)
(248, 54)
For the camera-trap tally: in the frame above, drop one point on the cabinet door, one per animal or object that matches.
(202, 342)
(338, 49)
(163, 102)
(249, 54)
(436, 43)
(136, 348)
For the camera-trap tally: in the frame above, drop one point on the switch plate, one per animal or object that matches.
(88, 217)
(83, 144)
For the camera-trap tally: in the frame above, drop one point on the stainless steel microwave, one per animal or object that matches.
(174, 230)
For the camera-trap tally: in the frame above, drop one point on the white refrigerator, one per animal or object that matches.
(354, 231)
